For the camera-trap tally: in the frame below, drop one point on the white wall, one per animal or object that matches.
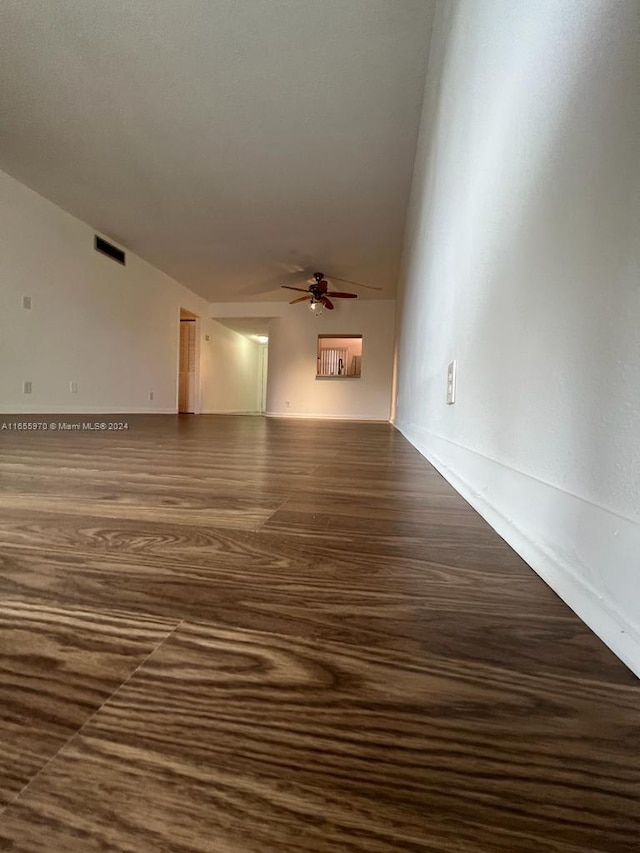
(293, 389)
(113, 330)
(522, 262)
(231, 365)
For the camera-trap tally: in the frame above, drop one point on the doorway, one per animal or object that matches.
(263, 369)
(187, 362)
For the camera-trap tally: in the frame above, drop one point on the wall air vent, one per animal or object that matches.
(108, 249)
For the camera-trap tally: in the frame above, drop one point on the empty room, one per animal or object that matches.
(320, 426)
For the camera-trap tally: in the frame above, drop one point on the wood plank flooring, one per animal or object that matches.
(218, 637)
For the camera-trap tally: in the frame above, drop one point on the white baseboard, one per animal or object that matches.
(587, 554)
(319, 417)
(24, 412)
(229, 412)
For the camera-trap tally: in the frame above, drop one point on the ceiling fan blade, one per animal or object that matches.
(356, 283)
(342, 295)
(327, 303)
(301, 299)
(301, 289)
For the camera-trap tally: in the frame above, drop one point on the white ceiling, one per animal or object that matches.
(224, 141)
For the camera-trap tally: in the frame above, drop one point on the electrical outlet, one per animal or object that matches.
(26, 387)
(451, 383)
(287, 404)
(73, 387)
(151, 395)
(26, 302)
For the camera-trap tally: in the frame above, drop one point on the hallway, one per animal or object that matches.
(231, 634)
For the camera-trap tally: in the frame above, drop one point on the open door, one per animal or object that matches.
(187, 366)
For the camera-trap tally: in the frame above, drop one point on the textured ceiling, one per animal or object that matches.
(224, 141)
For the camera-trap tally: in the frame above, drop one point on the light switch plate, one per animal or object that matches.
(451, 382)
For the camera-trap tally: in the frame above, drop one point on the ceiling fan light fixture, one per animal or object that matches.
(318, 294)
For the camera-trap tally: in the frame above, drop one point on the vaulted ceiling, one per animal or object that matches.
(227, 142)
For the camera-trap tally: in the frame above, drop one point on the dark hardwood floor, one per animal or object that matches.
(241, 635)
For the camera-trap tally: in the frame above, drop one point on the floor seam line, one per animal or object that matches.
(89, 719)
(268, 519)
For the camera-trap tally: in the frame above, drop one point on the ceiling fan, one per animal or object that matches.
(318, 293)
